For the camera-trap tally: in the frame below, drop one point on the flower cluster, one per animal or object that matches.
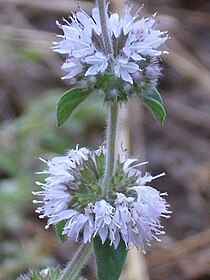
(135, 47)
(72, 193)
(44, 274)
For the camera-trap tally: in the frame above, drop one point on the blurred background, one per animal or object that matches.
(30, 87)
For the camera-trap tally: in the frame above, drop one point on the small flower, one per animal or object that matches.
(78, 222)
(124, 69)
(136, 43)
(73, 67)
(72, 192)
(99, 64)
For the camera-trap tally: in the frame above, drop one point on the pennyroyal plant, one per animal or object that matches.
(92, 195)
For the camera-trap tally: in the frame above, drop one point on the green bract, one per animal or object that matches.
(88, 182)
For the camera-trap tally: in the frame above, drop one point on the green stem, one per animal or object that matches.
(74, 267)
(112, 107)
(104, 28)
(111, 134)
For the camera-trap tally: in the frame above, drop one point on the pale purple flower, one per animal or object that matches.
(124, 69)
(73, 67)
(99, 64)
(78, 222)
(133, 40)
(144, 40)
(72, 193)
(103, 218)
(56, 189)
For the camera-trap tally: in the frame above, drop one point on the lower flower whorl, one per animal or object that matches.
(72, 192)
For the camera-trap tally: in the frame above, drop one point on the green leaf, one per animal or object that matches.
(59, 229)
(109, 261)
(154, 94)
(69, 101)
(153, 101)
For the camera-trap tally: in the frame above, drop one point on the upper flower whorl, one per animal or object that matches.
(136, 46)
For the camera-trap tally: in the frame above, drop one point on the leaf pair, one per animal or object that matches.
(73, 97)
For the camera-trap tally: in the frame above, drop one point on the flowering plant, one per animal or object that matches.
(93, 196)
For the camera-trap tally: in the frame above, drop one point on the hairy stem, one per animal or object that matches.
(74, 267)
(111, 134)
(104, 28)
(112, 107)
